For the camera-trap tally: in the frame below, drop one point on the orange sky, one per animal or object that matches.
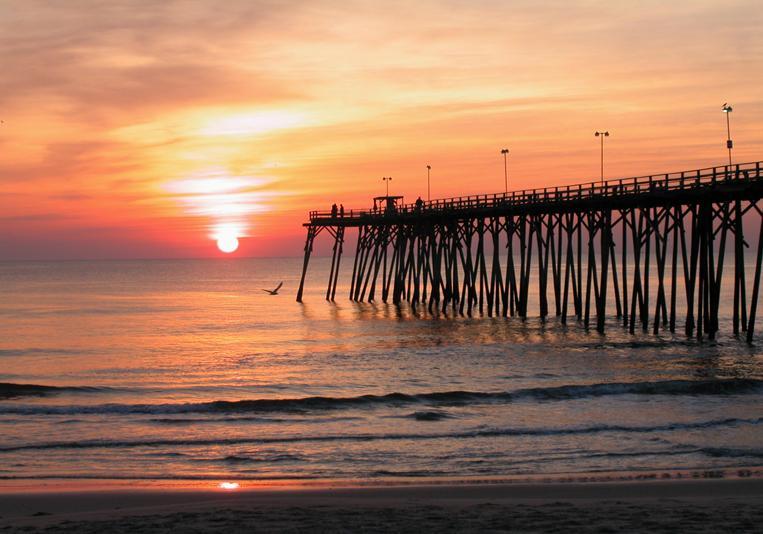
(132, 130)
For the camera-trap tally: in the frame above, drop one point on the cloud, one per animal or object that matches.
(126, 59)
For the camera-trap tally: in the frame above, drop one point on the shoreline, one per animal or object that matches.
(706, 501)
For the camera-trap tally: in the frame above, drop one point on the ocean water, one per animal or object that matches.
(164, 370)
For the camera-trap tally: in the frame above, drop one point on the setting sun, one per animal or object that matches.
(227, 243)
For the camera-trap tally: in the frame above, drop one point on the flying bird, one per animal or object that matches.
(274, 291)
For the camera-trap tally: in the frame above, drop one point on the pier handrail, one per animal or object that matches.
(674, 181)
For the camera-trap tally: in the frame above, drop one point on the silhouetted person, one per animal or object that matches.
(333, 211)
(419, 204)
(341, 210)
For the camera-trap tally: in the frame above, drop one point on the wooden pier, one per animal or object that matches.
(477, 254)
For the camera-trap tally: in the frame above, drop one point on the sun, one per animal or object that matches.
(227, 243)
(227, 234)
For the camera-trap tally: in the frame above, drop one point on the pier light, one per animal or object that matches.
(729, 143)
(429, 194)
(505, 152)
(387, 180)
(602, 135)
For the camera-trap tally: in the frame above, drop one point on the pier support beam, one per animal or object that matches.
(312, 231)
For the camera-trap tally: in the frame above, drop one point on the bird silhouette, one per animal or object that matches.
(274, 291)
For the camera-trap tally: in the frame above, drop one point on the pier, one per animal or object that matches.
(624, 243)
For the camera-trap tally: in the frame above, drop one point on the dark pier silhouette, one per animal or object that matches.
(477, 254)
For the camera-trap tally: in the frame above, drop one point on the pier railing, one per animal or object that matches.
(676, 181)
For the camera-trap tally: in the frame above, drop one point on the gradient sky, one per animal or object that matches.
(137, 131)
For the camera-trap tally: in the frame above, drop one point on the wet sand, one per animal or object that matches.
(656, 506)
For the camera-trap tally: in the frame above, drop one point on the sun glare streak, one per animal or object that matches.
(252, 123)
(205, 186)
(230, 486)
(232, 205)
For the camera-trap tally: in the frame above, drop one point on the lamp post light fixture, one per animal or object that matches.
(602, 135)
(387, 180)
(429, 194)
(729, 143)
(505, 152)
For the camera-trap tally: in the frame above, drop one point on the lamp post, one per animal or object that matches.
(429, 194)
(505, 152)
(729, 143)
(602, 135)
(387, 179)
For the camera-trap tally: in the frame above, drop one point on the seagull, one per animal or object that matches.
(274, 291)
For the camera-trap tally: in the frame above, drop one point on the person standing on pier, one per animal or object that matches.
(341, 211)
(333, 211)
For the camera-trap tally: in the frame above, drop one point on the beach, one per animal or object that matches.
(655, 506)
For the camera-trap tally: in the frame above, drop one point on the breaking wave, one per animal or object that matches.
(476, 433)
(735, 386)
(9, 390)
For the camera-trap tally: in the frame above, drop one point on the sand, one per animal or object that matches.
(654, 506)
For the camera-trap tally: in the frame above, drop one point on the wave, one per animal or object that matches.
(245, 419)
(429, 416)
(728, 452)
(10, 390)
(733, 386)
(476, 433)
(729, 386)
(243, 459)
(39, 351)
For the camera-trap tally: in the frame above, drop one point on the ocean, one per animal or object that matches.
(186, 370)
